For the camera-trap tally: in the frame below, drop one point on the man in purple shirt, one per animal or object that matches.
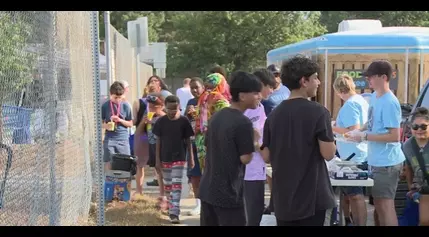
(280, 93)
(255, 175)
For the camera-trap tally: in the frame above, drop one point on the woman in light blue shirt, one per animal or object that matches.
(352, 115)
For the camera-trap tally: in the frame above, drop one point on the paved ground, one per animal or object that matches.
(188, 204)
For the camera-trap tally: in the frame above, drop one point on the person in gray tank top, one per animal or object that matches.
(413, 172)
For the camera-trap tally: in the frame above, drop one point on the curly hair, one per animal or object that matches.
(296, 68)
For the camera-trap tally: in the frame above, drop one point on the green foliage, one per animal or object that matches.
(235, 40)
(119, 20)
(16, 64)
(240, 40)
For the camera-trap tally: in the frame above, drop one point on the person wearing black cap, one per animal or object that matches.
(279, 94)
(382, 133)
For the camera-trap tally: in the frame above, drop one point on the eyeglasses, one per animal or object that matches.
(421, 126)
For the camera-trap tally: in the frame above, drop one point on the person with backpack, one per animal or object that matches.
(416, 151)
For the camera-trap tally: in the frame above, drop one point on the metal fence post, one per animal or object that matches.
(49, 85)
(107, 53)
(137, 50)
(97, 116)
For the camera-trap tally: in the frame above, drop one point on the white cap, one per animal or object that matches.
(124, 83)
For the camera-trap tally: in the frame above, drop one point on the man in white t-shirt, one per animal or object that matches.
(184, 94)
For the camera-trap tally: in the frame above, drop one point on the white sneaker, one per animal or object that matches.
(195, 212)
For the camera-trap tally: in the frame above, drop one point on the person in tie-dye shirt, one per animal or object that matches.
(215, 97)
(255, 175)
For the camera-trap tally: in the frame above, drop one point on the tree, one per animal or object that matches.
(119, 19)
(235, 40)
(17, 62)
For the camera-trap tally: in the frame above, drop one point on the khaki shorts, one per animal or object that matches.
(385, 181)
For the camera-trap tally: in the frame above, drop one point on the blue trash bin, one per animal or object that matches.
(18, 119)
(117, 186)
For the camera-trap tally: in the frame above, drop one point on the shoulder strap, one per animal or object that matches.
(420, 159)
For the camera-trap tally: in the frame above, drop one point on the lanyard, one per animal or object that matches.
(113, 111)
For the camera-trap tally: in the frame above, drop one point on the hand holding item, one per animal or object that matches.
(192, 112)
(111, 126)
(192, 163)
(115, 118)
(354, 136)
(146, 120)
(149, 120)
(150, 115)
(191, 109)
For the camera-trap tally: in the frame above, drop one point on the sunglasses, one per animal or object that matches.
(421, 126)
(151, 98)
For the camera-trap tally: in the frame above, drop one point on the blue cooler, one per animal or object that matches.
(117, 186)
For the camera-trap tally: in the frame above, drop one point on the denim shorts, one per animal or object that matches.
(196, 171)
(352, 191)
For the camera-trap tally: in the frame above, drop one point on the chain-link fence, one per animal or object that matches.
(48, 123)
(124, 63)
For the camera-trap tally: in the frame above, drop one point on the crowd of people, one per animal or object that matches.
(227, 129)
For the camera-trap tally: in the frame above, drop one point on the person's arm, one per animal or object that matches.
(136, 107)
(190, 152)
(391, 119)
(265, 151)
(409, 175)
(158, 152)
(350, 117)
(142, 124)
(243, 138)
(364, 127)
(104, 117)
(188, 106)
(188, 133)
(325, 136)
(128, 121)
(407, 171)
(156, 130)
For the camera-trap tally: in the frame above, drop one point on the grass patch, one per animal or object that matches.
(140, 212)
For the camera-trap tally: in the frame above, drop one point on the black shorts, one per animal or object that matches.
(152, 155)
(218, 216)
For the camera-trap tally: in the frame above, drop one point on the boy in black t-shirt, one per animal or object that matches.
(230, 144)
(173, 133)
(297, 139)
